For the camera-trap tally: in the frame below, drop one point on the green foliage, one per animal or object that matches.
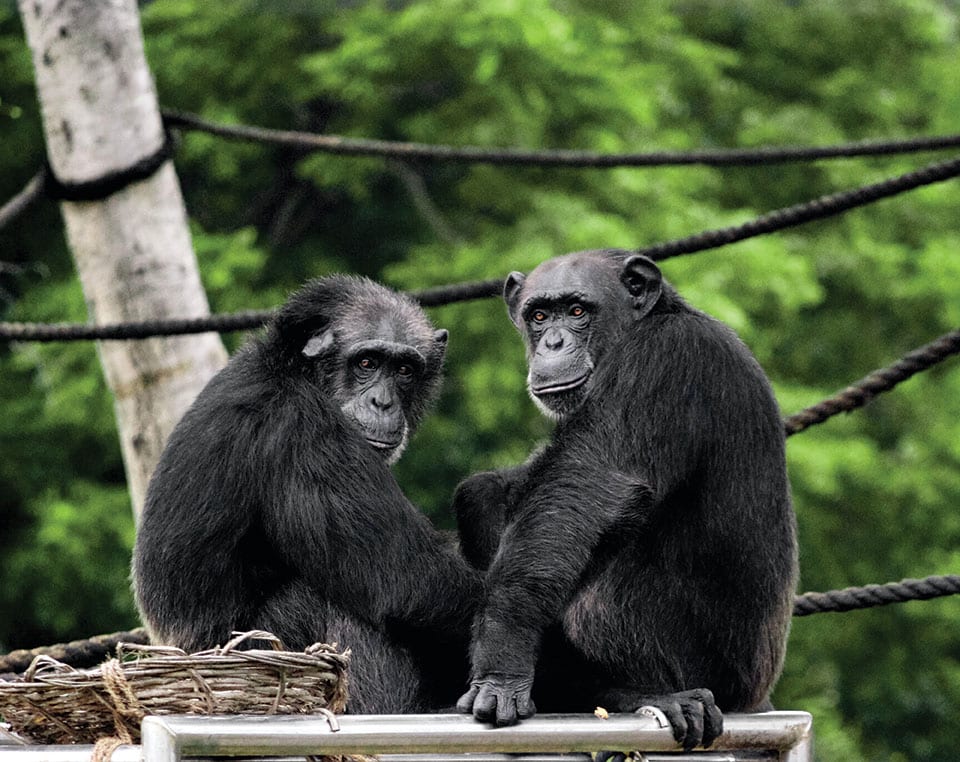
(72, 575)
(66, 514)
(821, 305)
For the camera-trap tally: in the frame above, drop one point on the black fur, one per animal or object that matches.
(648, 551)
(271, 510)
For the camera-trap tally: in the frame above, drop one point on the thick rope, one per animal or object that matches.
(237, 321)
(868, 596)
(346, 146)
(125, 709)
(459, 292)
(881, 380)
(77, 653)
(104, 748)
(45, 183)
(43, 332)
(809, 211)
(820, 208)
(106, 185)
(852, 397)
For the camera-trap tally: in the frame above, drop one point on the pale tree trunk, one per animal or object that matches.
(132, 249)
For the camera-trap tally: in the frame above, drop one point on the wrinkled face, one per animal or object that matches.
(377, 380)
(381, 368)
(570, 310)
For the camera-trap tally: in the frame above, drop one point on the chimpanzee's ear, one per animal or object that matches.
(440, 337)
(644, 282)
(309, 311)
(319, 343)
(511, 295)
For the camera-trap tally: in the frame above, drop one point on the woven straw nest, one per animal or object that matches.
(55, 703)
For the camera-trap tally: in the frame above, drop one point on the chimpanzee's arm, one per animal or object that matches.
(347, 529)
(482, 503)
(568, 505)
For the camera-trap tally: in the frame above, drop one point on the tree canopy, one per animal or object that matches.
(876, 491)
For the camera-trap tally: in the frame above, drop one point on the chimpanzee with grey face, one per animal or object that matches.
(273, 506)
(647, 555)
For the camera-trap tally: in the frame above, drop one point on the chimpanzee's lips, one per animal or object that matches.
(378, 444)
(541, 390)
(382, 435)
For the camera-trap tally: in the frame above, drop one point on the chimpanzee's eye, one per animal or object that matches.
(539, 316)
(367, 363)
(577, 310)
(405, 371)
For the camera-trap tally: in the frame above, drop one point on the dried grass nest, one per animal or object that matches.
(53, 703)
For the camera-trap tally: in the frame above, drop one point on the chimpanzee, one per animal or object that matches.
(647, 555)
(273, 506)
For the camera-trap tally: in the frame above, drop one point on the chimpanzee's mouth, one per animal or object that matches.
(561, 386)
(379, 444)
(387, 434)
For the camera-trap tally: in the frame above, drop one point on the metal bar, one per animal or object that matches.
(802, 751)
(770, 737)
(167, 739)
(83, 753)
(700, 755)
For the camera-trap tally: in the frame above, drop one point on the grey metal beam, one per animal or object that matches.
(770, 737)
(83, 753)
(166, 739)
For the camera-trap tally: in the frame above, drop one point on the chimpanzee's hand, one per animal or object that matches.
(482, 491)
(693, 716)
(480, 505)
(499, 698)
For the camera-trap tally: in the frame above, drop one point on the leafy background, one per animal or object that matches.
(876, 492)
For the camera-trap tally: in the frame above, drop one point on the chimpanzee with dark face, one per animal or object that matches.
(647, 555)
(273, 506)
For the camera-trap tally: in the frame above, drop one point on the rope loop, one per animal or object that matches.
(106, 185)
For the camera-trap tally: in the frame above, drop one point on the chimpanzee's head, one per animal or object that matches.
(570, 310)
(372, 349)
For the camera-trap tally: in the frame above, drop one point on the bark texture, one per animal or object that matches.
(132, 249)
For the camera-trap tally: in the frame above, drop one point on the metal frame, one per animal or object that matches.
(771, 736)
(167, 739)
